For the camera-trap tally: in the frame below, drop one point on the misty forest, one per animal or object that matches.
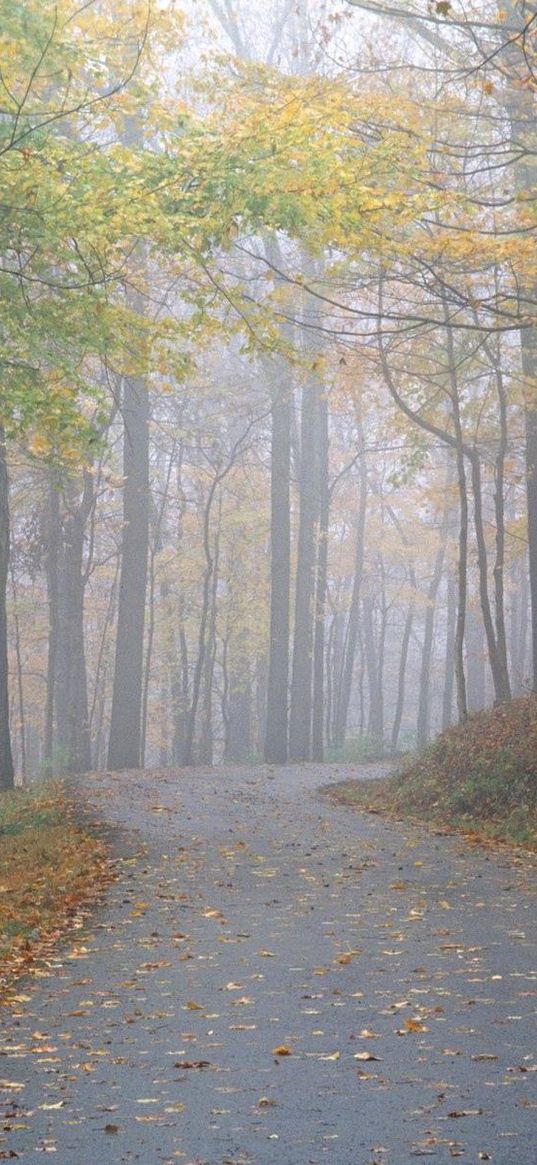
(268, 513)
(268, 355)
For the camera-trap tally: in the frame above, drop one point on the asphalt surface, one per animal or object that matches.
(253, 918)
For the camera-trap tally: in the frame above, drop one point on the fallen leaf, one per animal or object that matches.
(415, 1025)
(466, 1112)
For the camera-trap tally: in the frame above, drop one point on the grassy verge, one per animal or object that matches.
(50, 868)
(479, 778)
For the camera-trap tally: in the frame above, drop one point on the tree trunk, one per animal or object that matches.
(401, 681)
(155, 548)
(180, 691)
(519, 102)
(20, 683)
(239, 727)
(344, 684)
(497, 657)
(317, 746)
(6, 758)
(206, 741)
(199, 667)
(276, 734)
(462, 566)
(375, 719)
(53, 537)
(475, 661)
(302, 671)
(447, 696)
(124, 750)
(519, 624)
(72, 716)
(424, 699)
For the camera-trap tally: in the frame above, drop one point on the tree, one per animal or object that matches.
(6, 760)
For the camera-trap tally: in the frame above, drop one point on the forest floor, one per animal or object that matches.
(52, 867)
(479, 778)
(273, 978)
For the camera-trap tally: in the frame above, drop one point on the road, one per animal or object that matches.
(276, 979)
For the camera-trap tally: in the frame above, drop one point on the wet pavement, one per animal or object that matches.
(277, 979)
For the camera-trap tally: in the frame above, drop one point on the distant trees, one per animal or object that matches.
(6, 759)
(271, 382)
(124, 748)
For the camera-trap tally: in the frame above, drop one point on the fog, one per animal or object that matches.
(268, 426)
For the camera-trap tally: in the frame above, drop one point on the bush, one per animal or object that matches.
(480, 776)
(482, 771)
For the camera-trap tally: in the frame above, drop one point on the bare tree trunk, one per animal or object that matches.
(344, 682)
(375, 719)
(72, 716)
(239, 728)
(498, 659)
(519, 624)
(52, 536)
(259, 729)
(156, 547)
(462, 589)
(180, 692)
(460, 678)
(206, 741)
(424, 699)
(475, 661)
(401, 680)
(190, 727)
(302, 671)
(520, 106)
(6, 758)
(447, 696)
(124, 750)
(529, 361)
(99, 684)
(317, 746)
(148, 651)
(329, 669)
(20, 684)
(276, 735)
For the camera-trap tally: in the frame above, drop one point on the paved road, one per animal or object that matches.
(398, 970)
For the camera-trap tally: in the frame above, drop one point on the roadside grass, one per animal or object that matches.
(51, 867)
(479, 778)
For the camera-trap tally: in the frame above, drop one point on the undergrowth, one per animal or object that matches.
(480, 777)
(50, 867)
